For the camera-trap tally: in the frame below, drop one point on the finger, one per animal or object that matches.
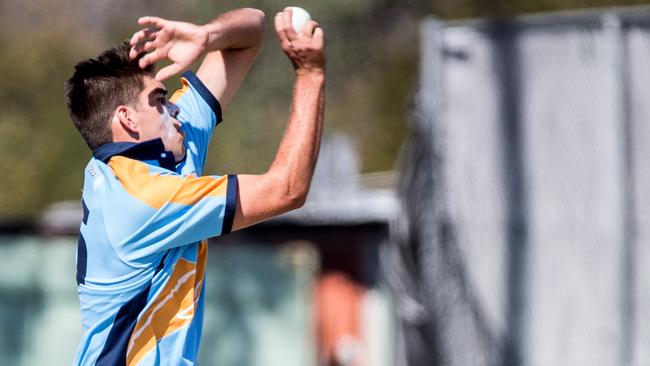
(155, 21)
(279, 29)
(286, 25)
(134, 52)
(142, 35)
(151, 58)
(309, 27)
(140, 48)
(148, 46)
(319, 38)
(168, 71)
(139, 40)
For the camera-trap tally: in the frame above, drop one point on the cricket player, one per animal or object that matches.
(148, 208)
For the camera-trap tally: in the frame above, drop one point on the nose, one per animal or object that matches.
(173, 109)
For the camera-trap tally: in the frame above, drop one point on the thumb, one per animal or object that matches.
(168, 71)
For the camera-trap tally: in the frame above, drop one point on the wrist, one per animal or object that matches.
(316, 74)
(213, 32)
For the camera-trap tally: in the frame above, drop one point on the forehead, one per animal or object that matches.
(151, 84)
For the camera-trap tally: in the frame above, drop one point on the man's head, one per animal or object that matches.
(112, 99)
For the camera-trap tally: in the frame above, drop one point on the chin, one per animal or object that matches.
(179, 150)
(179, 157)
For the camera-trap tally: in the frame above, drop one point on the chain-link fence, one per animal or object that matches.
(529, 191)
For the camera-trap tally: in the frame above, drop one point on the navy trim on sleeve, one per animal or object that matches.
(231, 204)
(204, 92)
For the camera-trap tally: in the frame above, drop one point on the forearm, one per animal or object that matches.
(236, 29)
(285, 185)
(295, 160)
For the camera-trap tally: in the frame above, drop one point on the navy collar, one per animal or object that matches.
(143, 151)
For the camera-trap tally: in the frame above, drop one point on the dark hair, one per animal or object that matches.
(100, 85)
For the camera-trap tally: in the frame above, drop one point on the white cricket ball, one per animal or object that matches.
(299, 17)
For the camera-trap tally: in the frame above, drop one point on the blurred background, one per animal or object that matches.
(490, 163)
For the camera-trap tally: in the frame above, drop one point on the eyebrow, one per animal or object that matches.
(158, 91)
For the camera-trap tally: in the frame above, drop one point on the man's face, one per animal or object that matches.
(157, 118)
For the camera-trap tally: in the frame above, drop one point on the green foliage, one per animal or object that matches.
(40, 151)
(372, 48)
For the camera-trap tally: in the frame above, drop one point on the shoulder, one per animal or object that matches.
(195, 94)
(148, 183)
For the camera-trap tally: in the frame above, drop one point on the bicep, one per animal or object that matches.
(224, 71)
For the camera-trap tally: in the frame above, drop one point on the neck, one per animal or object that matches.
(121, 135)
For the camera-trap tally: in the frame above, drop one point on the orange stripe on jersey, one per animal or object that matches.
(179, 93)
(173, 308)
(155, 189)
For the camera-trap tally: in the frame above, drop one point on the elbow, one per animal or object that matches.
(288, 194)
(259, 15)
(257, 19)
(296, 201)
(294, 197)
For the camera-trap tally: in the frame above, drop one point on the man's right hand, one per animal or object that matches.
(305, 49)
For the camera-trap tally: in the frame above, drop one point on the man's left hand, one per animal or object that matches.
(182, 43)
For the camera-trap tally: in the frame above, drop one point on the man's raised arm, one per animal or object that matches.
(284, 187)
(230, 42)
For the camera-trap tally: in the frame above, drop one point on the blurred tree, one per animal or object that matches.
(372, 48)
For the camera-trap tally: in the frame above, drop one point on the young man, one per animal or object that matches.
(147, 208)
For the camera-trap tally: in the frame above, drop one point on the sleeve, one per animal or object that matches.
(199, 113)
(166, 210)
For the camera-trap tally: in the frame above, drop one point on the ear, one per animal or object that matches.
(124, 121)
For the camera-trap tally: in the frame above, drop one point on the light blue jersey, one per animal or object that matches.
(142, 252)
